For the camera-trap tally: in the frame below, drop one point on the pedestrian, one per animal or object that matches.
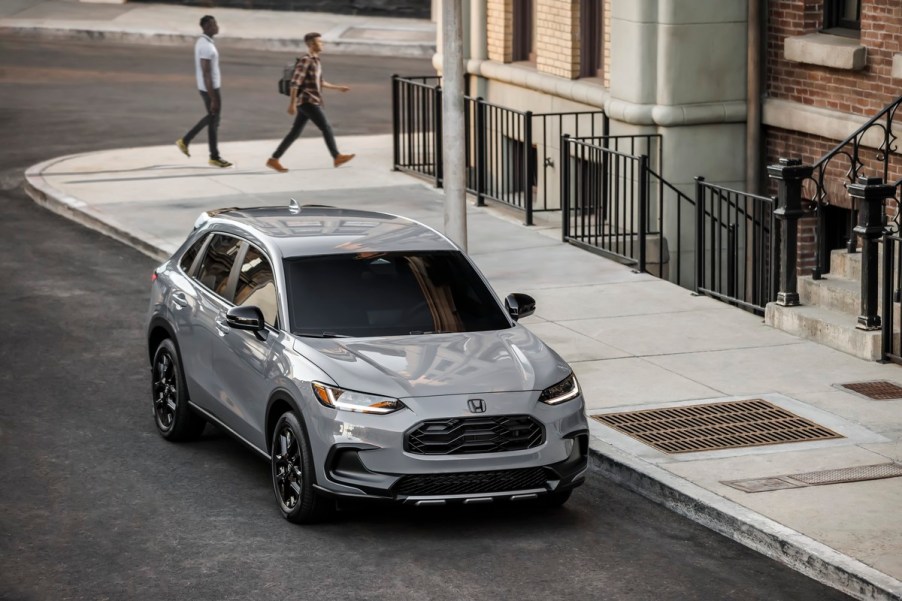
(206, 67)
(306, 103)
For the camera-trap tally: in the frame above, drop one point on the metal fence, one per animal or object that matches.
(735, 246)
(891, 298)
(510, 154)
(616, 203)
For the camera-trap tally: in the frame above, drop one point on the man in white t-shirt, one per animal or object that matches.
(206, 66)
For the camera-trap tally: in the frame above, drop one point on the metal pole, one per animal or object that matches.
(870, 192)
(565, 187)
(789, 174)
(454, 173)
(643, 210)
(699, 234)
(395, 122)
(528, 165)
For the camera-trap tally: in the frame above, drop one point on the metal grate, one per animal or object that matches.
(471, 483)
(715, 426)
(489, 434)
(879, 390)
(836, 476)
(851, 474)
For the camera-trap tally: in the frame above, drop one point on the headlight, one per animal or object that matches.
(566, 389)
(348, 400)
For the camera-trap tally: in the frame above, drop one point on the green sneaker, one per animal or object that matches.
(183, 147)
(220, 163)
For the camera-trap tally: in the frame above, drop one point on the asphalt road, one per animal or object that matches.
(95, 505)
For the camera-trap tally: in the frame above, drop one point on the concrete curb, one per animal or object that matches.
(751, 529)
(163, 38)
(757, 532)
(52, 199)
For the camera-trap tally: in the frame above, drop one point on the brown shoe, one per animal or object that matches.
(275, 164)
(343, 158)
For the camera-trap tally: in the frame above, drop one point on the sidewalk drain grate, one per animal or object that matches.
(879, 390)
(837, 476)
(716, 426)
(850, 474)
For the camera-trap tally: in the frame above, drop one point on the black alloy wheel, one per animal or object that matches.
(174, 418)
(293, 474)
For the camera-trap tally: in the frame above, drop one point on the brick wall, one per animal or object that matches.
(499, 30)
(557, 37)
(557, 28)
(863, 92)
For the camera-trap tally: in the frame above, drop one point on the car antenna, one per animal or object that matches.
(293, 207)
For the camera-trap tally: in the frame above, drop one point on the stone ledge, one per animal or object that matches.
(826, 50)
(897, 65)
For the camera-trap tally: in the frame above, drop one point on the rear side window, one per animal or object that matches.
(257, 286)
(217, 264)
(190, 254)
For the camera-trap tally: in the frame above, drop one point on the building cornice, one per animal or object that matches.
(596, 95)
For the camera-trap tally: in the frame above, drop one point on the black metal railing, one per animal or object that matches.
(852, 158)
(735, 246)
(416, 126)
(606, 196)
(892, 296)
(508, 152)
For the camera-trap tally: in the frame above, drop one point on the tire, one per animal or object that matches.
(175, 420)
(293, 474)
(556, 499)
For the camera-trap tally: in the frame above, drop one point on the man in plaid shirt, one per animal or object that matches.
(307, 103)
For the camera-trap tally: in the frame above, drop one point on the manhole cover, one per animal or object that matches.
(716, 426)
(851, 474)
(880, 390)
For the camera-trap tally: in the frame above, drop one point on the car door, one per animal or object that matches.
(183, 305)
(243, 361)
(215, 278)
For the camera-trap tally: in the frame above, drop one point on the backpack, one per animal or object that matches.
(287, 74)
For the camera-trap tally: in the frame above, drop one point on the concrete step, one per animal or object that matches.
(828, 327)
(845, 265)
(831, 292)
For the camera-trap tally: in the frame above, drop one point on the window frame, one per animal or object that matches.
(836, 23)
(523, 43)
(591, 40)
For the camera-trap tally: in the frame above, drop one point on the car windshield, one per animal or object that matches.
(389, 294)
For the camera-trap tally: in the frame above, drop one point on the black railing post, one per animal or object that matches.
(643, 212)
(870, 192)
(529, 170)
(699, 234)
(889, 251)
(437, 134)
(395, 122)
(481, 147)
(789, 173)
(565, 187)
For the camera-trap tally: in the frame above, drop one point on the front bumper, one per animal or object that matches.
(346, 469)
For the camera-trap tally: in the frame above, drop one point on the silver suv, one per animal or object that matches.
(363, 355)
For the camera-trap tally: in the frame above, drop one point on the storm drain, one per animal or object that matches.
(716, 426)
(879, 390)
(836, 476)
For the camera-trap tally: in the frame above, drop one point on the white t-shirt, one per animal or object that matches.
(205, 48)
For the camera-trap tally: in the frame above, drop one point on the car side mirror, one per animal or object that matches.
(519, 305)
(248, 318)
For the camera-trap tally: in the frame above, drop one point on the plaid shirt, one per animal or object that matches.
(308, 78)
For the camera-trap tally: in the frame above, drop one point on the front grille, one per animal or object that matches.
(459, 436)
(470, 483)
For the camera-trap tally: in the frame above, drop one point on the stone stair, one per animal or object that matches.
(829, 311)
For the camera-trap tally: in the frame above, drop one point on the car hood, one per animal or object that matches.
(438, 364)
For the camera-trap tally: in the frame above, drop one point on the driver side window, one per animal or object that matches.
(257, 286)
(217, 263)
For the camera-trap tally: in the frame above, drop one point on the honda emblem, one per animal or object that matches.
(476, 405)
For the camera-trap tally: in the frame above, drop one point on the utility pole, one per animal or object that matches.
(453, 133)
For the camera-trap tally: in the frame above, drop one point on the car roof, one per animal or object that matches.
(296, 230)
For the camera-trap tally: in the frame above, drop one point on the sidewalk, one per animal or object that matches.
(253, 29)
(636, 342)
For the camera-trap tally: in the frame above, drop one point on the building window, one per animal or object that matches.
(524, 30)
(842, 16)
(590, 42)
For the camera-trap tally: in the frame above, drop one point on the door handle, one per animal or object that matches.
(179, 300)
(223, 326)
